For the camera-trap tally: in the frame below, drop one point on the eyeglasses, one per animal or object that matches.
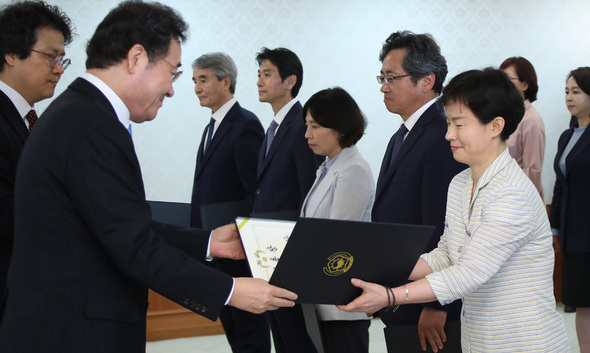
(175, 75)
(389, 79)
(55, 60)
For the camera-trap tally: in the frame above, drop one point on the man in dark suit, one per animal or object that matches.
(286, 170)
(86, 249)
(418, 164)
(225, 174)
(33, 36)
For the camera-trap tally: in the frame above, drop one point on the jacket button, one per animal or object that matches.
(258, 192)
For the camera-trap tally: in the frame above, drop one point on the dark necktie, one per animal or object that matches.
(399, 140)
(31, 118)
(270, 135)
(209, 133)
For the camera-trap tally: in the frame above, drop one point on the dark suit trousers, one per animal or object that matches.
(245, 332)
(346, 336)
(289, 332)
(410, 314)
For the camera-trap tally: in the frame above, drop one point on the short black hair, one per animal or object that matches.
(287, 62)
(151, 25)
(423, 57)
(20, 21)
(489, 94)
(335, 109)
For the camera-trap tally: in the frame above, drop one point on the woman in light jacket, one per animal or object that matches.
(344, 189)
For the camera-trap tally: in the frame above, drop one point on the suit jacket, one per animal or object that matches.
(346, 192)
(413, 190)
(13, 134)
(571, 195)
(227, 170)
(86, 249)
(286, 173)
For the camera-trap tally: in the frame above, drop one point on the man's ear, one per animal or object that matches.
(291, 81)
(10, 59)
(136, 58)
(227, 82)
(427, 82)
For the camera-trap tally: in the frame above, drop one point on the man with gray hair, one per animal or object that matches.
(416, 170)
(225, 177)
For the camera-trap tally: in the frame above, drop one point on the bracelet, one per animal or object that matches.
(394, 306)
(388, 297)
(407, 294)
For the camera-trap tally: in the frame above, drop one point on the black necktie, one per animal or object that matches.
(31, 118)
(399, 140)
(209, 133)
(270, 135)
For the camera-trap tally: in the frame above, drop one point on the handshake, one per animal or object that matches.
(250, 294)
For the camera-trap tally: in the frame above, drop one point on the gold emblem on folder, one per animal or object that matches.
(338, 264)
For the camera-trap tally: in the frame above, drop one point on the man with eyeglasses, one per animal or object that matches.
(418, 165)
(86, 249)
(33, 36)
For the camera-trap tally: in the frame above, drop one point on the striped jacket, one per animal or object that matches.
(496, 255)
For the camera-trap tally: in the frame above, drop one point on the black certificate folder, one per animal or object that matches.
(322, 255)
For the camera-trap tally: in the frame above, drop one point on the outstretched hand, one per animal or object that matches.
(225, 242)
(257, 296)
(373, 298)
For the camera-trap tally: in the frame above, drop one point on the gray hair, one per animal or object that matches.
(423, 57)
(222, 65)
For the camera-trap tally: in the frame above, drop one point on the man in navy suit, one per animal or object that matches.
(85, 247)
(286, 170)
(225, 174)
(33, 36)
(418, 164)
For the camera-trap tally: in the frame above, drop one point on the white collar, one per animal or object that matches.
(222, 111)
(21, 104)
(117, 103)
(284, 110)
(413, 119)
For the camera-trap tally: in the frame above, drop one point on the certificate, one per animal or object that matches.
(264, 241)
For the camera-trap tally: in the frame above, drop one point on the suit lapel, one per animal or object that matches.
(9, 112)
(200, 150)
(282, 131)
(385, 164)
(411, 139)
(217, 140)
(328, 182)
(580, 147)
(560, 149)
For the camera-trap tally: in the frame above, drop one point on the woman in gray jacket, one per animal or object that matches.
(343, 189)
